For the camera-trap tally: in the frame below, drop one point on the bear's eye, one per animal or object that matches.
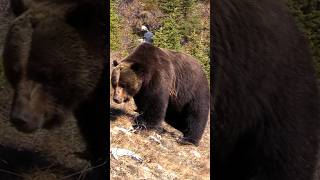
(128, 88)
(123, 85)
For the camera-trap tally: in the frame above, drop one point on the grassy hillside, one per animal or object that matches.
(307, 14)
(171, 22)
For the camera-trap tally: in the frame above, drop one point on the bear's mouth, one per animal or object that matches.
(30, 127)
(25, 127)
(26, 130)
(121, 101)
(55, 121)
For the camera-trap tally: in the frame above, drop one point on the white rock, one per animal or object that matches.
(155, 138)
(124, 130)
(196, 154)
(118, 152)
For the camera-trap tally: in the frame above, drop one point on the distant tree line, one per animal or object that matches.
(307, 13)
(182, 26)
(185, 27)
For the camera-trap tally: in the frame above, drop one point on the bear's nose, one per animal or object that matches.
(22, 122)
(117, 100)
(19, 121)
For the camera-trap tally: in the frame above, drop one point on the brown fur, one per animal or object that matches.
(265, 98)
(168, 86)
(54, 60)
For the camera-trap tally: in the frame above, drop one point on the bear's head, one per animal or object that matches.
(126, 80)
(50, 61)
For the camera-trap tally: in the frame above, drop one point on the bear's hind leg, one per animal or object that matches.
(193, 124)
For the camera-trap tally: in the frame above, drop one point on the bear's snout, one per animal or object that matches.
(120, 95)
(23, 116)
(117, 99)
(23, 121)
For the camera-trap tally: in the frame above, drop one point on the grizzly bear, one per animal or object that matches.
(265, 101)
(165, 85)
(54, 60)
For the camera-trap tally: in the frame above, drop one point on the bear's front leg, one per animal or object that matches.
(152, 110)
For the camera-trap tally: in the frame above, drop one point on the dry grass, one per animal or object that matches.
(163, 159)
(43, 155)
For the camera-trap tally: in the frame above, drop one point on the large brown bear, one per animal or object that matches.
(165, 85)
(54, 60)
(265, 101)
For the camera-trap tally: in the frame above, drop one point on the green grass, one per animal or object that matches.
(182, 20)
(114, 27)
(308, 20)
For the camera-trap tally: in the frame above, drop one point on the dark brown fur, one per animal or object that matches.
(171, 86)
(54, 60)
(265, 101)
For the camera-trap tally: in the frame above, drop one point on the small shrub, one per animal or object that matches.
(183, 20)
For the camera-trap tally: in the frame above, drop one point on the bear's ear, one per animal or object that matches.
(20, 6)
(82, 15)
(115, 63)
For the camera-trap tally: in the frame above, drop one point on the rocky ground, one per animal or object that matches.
(161, 157)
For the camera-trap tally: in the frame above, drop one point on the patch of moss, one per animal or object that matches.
(114, 27)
